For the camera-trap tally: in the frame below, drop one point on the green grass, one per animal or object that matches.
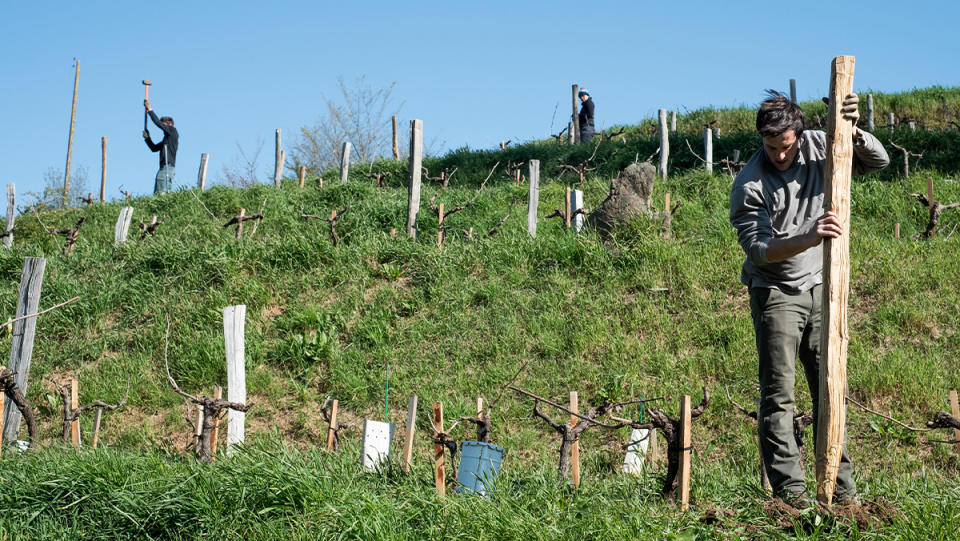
(453, 325)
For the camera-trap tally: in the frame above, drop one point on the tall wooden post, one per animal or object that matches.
(534, 196)
(73, 118)
(332, 429)
(396, 147)
(708, 148)
(233, 329)
(793, 90)
(416, 165)
(439, 473)
(664, 142)
(836, 285)
(103, 169)
(74, 403)
(11, 214)
(685, 451)
(277, 158)
(955, 411)
(673, 121)
(302, 175)
(215, 433)
(870, 124)
(576, 117)
(345, 161)
(410, 429)
(21, 339)
(202, 173)
(575, 446)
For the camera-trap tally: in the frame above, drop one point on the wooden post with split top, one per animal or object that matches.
(831, 424)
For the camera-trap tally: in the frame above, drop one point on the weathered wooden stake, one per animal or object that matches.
(97, 418)
(11, 214)
(896, 230)
(74, 403)
(575, 446)
(440, 226)
(21, 339)
(416, 166)
(302, 174)
(233, 329)
(955, 411)
(123, 226)
(870, 123)
(103, 169)
(576, 117)
(410, 429)
(277, 158)
(576, 203)
(667, 218)
(199, 427)
(332, 429)
(345, 161)
(793, 90)
(708, 149)
(215, 433)
(571, 137)
(685, 452)
(836, 285)
(566, 206)
(653, 451)
(73, 118)
(439, 473)
(202, 173)
(673, 121)
(664, 142)
(890, 122)
(534, 196)
(243, 213)
(396, 148)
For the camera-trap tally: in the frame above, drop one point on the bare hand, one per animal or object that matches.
(146, 105)
(146, 134)
(849, 109)
(827, 226)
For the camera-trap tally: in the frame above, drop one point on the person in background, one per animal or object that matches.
(586, 115)
(167, 147)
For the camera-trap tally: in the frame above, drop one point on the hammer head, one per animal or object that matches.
(147, 82)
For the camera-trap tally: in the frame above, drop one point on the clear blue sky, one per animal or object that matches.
(476, 72)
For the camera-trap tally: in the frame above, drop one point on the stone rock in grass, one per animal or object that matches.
(629, 196)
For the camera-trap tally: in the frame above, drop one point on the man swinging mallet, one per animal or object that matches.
(167, 147)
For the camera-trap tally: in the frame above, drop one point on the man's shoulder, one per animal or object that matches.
(752, 172)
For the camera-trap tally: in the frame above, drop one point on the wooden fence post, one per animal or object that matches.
(345, 161)
(11, 214)
(123, 226)
(277, 158)
(97, 418)
(103, 169)
(416, 164)
(202, 173)
(215, 432)
(870, 123)
(793, 90)
(576, 117)
(396, 148)
(534, 197)
(575, 446)
(685, 451)
(233, 329)
(955, 411)
(21, 339)
(332, 429)
(664, 141)
(409, 429)
(836, 285)
(74, 403)
(439, 473)
(576, 203)
(302, 174)
(708, 148)
(673, 121)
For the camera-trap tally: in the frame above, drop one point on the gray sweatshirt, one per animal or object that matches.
(769, 204)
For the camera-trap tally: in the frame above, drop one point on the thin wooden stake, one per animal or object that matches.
(96, 428)
(575, 446)
(955, 411)
(708, 148)
(439, 473)
(103, 169)
(870, 123)
(836, 285)
(664, 142)
(73, 118)
(332, 429)
(685, 451)
(345, 161)
(243, 212)
(199, 426)
(215, 433)
(202, 173)
(566, 207)
(416, 170)
(673, 121)
(440, 226)
(75, 403)
(653, 452)
(576, 117)
(277, 159)
(793, 90)
(667, 217)
(410, 428)
(396, 148)
(11, 214)
(302, 175)
(534, 197)
(896, 230)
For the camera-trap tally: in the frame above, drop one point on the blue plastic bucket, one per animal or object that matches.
(479, 464)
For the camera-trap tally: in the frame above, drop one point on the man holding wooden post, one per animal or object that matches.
(777, 208)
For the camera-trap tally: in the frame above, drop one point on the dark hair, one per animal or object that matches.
(777, 114)
(166, 118)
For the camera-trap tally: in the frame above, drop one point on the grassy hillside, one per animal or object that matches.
(575, 312)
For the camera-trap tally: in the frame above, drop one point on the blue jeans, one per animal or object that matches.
(164, 181)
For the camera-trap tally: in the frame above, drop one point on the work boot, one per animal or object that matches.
(797, 500)
(845, 499)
